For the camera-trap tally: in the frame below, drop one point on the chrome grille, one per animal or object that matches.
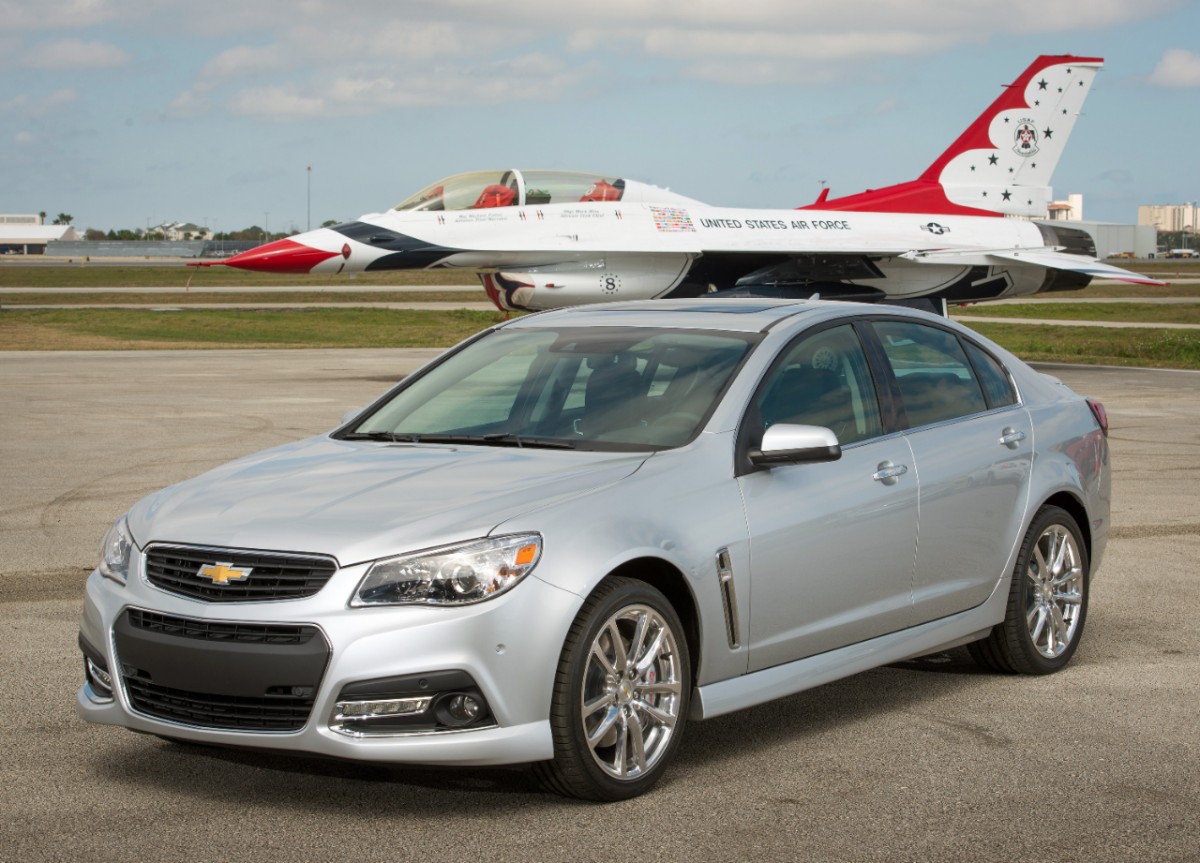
(175, 569)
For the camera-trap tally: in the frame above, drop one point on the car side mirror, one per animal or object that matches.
(795, 444)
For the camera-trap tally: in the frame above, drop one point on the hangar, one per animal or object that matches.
(29, 239)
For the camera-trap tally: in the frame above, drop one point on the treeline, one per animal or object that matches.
(254, 233)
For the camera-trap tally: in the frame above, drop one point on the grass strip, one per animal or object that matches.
(1124, 292)
(125, 329)
(201, 297)
(1166, 349)
(36, 274)
(154, 275)
(1134, 313)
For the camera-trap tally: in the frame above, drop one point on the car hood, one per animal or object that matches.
(360, 500)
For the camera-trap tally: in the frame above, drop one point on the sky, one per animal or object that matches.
(286, 113)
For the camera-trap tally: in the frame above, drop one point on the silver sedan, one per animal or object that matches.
(568, 536)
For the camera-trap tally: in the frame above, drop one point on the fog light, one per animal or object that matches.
(424, 703)
(383, 708)
(100, 679)
(459, 709)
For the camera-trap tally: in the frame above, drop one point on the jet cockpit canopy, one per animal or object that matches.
(478, 190)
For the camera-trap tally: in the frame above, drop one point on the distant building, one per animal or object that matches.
(22, 219)
(1070, 210)
(25, 238)
(1112, 240)
(1171, 217)
(179, 231)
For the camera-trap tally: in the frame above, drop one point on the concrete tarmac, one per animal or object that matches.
(930, 760)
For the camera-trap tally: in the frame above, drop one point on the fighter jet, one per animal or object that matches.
(541, 239)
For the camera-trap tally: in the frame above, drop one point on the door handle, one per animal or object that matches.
(1010, 437)
(888, 473)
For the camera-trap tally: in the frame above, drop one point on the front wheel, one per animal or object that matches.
(621, 694)
(1047, 600)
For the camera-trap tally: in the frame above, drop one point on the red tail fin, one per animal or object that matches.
(1002, 163)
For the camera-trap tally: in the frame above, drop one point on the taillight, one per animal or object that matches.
(1100, 414)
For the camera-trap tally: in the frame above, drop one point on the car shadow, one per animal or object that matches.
(329, 785)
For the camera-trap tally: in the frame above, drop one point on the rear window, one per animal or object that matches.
(997, 386)
(936, 380)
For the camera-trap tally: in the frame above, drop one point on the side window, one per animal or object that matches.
(936, 380)
(996, 385)
(823, 380)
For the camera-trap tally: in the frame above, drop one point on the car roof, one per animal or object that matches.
(747, 314)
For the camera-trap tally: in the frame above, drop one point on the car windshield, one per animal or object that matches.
(587, 388)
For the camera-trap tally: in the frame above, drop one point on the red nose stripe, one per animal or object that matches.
(281, 256)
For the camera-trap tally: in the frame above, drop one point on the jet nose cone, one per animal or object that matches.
(281, 256)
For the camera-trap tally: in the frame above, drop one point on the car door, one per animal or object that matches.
(831, 544)
(973, 449)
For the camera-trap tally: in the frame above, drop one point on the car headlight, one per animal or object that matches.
(116, 551)
(453, 575)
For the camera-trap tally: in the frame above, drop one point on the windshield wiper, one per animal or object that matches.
(497, 439)
(375, 435)
(536, 442)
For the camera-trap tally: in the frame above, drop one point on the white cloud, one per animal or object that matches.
(528, 78)
(74, 55)
(599, 23)
(56, 100)
(275, 103)
(57, 15)
(1177, 68)
(304, 58)
(24, 138)
(245, 60)
(39, 106)
(190, 103)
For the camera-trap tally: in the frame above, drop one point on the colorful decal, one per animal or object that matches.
(672, 219)
(935, 228)
(1025, 139)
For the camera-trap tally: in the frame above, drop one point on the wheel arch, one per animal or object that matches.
(1067, 501)
(666, 578)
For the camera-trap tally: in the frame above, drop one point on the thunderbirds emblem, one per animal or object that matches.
(1025, 139)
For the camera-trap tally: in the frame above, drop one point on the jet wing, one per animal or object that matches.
(1048, 257)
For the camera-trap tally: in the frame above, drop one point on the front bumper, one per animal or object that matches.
(508, 646)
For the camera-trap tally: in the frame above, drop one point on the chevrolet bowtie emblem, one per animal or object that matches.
(223, 573)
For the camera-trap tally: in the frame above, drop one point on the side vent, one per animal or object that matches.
(728, 597)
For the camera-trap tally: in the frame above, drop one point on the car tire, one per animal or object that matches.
(1047, 600)
(621, 694)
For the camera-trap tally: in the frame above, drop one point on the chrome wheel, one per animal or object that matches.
(621, 694)
(1054, 591)
(1047, 600)
(630, 698)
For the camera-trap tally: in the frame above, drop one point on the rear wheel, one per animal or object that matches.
(621, 694)
(1047, 600)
